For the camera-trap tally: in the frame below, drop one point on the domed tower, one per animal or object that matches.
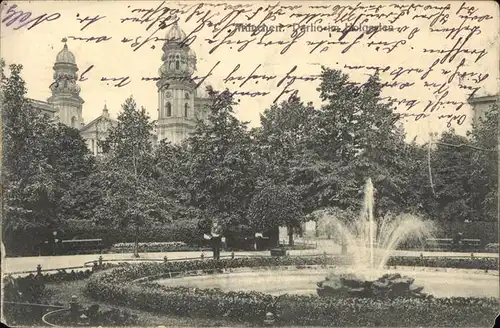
(176, 88)
(65, 92)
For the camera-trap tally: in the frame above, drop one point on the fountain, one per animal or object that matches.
(371, 240)
(371, 244)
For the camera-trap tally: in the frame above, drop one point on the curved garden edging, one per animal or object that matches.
(45, 318)
(117, 286)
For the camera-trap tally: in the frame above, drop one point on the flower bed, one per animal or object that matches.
(115, 286)
(92, 316)
(174, 246)
(31, 288)
(481, 263)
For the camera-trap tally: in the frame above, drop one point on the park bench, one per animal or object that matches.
(438, 244)
(79, 246)
(278, 252)
(471, 245)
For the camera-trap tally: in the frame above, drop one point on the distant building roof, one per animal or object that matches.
(95, 120)
(483, 99)
(42, 105)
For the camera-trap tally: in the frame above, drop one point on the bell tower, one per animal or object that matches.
(65, 91)
(176, 88)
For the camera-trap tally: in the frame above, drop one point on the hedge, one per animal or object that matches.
(116, 286)
(29, 295)
(480, 263)
(26, 242)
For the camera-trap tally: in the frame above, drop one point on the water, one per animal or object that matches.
(371, 242)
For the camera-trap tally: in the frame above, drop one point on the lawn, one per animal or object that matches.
(62, 292)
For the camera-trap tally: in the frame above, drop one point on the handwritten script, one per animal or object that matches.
(430, 57)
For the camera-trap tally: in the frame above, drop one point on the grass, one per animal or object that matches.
(62, 292)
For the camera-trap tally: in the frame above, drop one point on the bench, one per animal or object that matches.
(78, 246)
(446, 244)
(471, 245)
(278, 252)
(438, 244)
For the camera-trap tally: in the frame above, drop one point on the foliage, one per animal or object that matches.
(170, 171)
(300, 160)
(96, 317)
(484, 175)
(29, 294)
(450, 166)
(43, 163)
(220, 169)
(131, 197)
(281, 138)
(174, 246)
(289, 309)
(275, 206)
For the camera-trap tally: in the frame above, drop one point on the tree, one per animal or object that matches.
(220, 167)
(275, 206)
(281, 137)
(31, 189)
(170, 172)
(70, 157)
(353, 136)
(451, 168)
(131, 195)
(484, 175)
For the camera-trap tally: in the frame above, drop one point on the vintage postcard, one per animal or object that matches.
(250, 163)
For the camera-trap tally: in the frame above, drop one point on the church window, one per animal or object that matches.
(169, 109)
(177, 61)
(73, 121)
(186, 106)
(186, 96)
(93, 146)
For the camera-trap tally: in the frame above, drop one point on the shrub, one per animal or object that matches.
(114, 286)
(171, 246)
(26, 243)
(486, 263)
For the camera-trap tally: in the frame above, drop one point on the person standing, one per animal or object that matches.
(216, 239)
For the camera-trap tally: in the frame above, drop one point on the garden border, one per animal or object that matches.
(288, 309)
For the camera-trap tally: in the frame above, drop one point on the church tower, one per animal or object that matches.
(176, 88)
(65, 97)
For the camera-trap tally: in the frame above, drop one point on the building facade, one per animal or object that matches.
(480, 105)
(180, 102)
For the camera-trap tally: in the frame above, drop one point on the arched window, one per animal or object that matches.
(186, 106)
(73, 121)
(177, 61)
(169, 109)
(186, 95)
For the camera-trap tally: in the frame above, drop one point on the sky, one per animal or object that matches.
(417, 36)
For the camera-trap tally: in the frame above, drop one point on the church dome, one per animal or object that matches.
(175, 33)
(65, 56)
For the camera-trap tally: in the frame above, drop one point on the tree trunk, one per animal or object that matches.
(290, 236)
(273, 235)
(136, 243)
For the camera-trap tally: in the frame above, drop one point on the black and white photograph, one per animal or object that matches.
(250, 163)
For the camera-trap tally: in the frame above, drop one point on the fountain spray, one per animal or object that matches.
(369, 209)
(372, 243)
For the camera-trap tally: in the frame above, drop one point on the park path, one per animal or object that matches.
(17, 264)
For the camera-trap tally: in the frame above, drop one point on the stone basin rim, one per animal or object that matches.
(405, 269)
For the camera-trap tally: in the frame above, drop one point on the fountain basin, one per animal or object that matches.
(290, 280)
